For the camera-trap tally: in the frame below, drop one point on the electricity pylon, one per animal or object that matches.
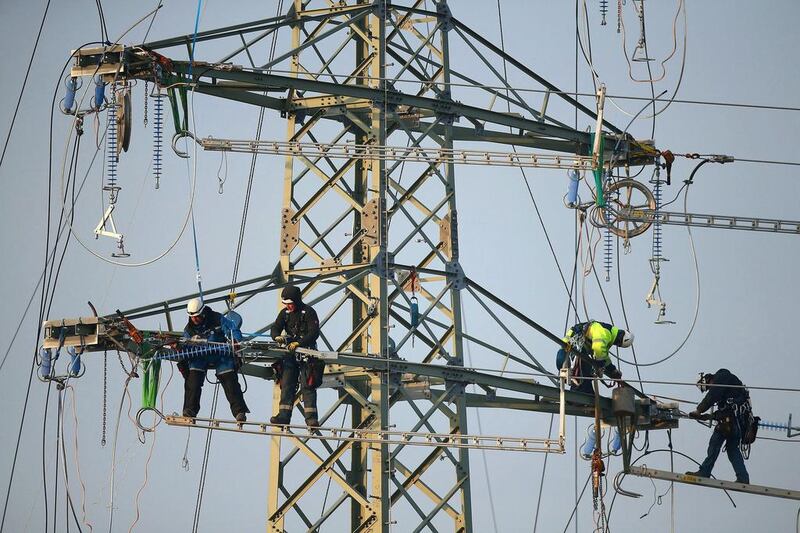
(373, 241)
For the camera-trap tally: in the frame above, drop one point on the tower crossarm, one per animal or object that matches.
(712, 221)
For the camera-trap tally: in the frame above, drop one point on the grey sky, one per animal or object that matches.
(737, 52)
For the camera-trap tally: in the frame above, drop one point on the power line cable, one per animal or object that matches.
(152, 20)
(103, 27)
(24, 83)
(43, 297)
(696, 272)
(251, 175)
(522, 170)
(713, 103)
(768, 162)
(44, 271)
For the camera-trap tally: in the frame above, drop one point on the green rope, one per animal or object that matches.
(598, 171)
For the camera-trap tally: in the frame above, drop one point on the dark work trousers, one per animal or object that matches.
(734, 453)
(193, 388)
(233, 392)
(294, 371)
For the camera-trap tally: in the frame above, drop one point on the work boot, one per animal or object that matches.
(746, 481)
(241, 417)
(312, 422)
(697, 474)
(282, 418)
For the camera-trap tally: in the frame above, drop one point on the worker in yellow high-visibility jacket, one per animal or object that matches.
(592, 339)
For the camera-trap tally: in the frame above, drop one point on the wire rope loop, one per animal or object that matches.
(148, 429)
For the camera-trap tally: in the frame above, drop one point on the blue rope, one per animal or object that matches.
(194, 229)
(197, 261)
(194, 37)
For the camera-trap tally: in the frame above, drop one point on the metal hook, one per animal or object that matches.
(618, 486)
(178, 136)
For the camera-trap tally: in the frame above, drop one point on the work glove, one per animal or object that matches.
(293, 346)
(695, 414)
(280, 339)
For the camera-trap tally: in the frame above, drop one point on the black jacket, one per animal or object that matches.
(210, 328)
(721, 395)
(301, 326)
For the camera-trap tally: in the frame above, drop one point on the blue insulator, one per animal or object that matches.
(774, 426)
(111, 146)
(588, 445)
(414, 312)
(74, 361)
(616, 442)
(657, 232)
(69, 99)
(200, 350)
(47, 362)
(572, 191)
(608, 243)
(99, 92)
(158, 132)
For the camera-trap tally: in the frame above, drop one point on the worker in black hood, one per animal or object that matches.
(727, 392)
(297, 326)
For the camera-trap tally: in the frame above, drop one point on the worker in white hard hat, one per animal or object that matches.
(206, 324)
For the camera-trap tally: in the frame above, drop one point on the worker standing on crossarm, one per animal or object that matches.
(587, 342)
(730, 401)
(205, 324)
(297, 326)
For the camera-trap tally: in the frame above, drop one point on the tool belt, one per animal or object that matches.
(311, 370)
(315, 369)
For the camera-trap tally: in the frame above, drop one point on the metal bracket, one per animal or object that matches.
(101, 230)
(652, 299)
(445, 16)
(382, 265)
(370, 221)
(290, 231)
(458, 279)
(445, 236)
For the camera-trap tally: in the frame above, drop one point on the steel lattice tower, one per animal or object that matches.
(372, 238)
(368, 196)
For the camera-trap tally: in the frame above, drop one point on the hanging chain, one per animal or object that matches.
(146, 92)
(105, 397)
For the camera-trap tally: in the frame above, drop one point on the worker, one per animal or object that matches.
(591, 341)
(205, 324)
(730, 401)
(297, 326)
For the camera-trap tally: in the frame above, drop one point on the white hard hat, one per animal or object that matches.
(194, 307)
(627, 339)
